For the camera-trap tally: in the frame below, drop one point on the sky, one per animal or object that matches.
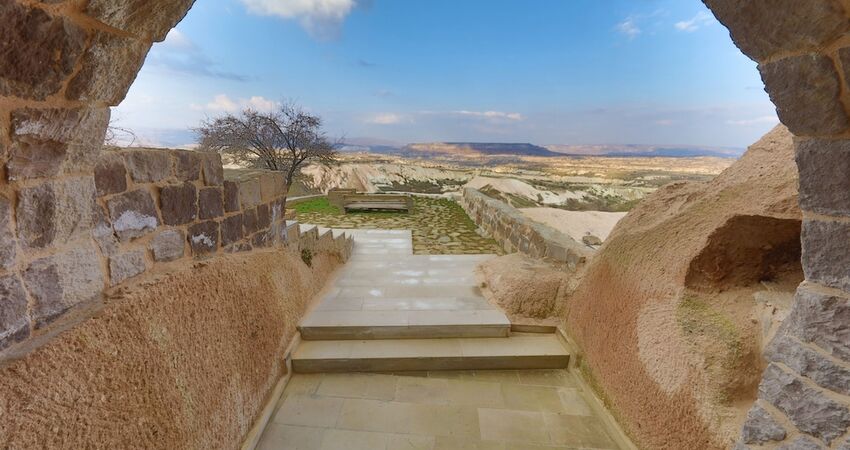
(655, 72)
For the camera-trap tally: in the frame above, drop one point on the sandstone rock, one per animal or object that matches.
(809, 409)
(133, 214)
(148, 166)
(14, 325)
(210, 204)
(75, 133)
(231, 230)
(125, 266)
(762, 28)
(231, 196)
(187, 166)
(524, 287)
(249, 193)
(179, 203)
(212, 169)
(203, 238)
(37, 52)
(806, 90)
(151, 19)
(110, 175)
(108, 69)
(809, 363)
(55, 211)
(761, 427)
(823, 261)
(35, 158)
(60, 282)
(250, 221)
(821, 319)
(591, 240)
(263, 217)
(8, 251)
(802, 443)
(168, 245)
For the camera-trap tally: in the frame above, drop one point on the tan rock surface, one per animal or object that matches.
(665, 313)
(179, 360)
(576, 224)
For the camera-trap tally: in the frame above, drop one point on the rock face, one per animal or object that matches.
(525, 288)
(664, 311)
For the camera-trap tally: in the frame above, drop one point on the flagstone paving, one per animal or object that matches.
(504, 410)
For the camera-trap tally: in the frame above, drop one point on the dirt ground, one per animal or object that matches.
(181, 360)
(576, 224)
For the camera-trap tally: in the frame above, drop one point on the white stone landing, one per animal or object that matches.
(391, 310)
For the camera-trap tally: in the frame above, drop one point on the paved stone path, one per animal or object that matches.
(387, 293)
(504, 410)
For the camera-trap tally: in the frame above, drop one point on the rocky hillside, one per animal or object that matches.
(477, 149)
(675, 309)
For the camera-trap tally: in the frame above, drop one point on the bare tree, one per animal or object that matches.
(117, 135)
(282, 140)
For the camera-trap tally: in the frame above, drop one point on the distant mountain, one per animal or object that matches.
(476, 149)
(632, 151)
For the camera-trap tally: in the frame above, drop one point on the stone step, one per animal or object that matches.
(403, 324)
(516, 352)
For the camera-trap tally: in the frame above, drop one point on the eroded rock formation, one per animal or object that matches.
(671, 311)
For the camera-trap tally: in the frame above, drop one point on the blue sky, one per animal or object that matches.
(540, 71)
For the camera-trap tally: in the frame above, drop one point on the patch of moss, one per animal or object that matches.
(700, 322)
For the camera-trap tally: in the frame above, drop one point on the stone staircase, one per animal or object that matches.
(389, 310)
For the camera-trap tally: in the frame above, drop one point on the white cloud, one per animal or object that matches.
(178, 41)
(702, 19)
(490, 114)
(387, 119)
(664, 122)
(223, 103)
(754, 121)
(629, 27)
(321, 18)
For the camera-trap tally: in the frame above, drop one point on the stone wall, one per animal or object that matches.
(803, 55)
(143, 210)
(517, 233)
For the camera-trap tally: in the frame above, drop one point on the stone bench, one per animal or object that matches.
(365, 202)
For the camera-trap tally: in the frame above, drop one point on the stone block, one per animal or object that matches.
(60, 282)
(231, 230)
(250, 221)
(249, 193)
(761, 427)
(261, 240)
(149, 19)
(103, 233)
(133, 214)
(55, 211)
(178, 203)
(38, 51)
(210, 204)
(8, 251)
(74, 133)
(148, 166)
(822, 319)
(802, 443)
(203, 238)
(810, 363)
(108, 69)
(823, 165)
(808, 408)
(168, 245)
(110, 175)
(212, 169)
(825, 255)
(35, 158)
(14, 324)
(264, 219)
(125, 266)
(806, 90)
(761, 28)
(187, 165)
(231, 196)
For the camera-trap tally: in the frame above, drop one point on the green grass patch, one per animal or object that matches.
(319, 205)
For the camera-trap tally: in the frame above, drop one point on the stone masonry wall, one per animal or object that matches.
(803, 54)
(144, 209)
(517, 233)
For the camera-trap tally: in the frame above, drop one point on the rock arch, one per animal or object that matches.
(63, 63)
